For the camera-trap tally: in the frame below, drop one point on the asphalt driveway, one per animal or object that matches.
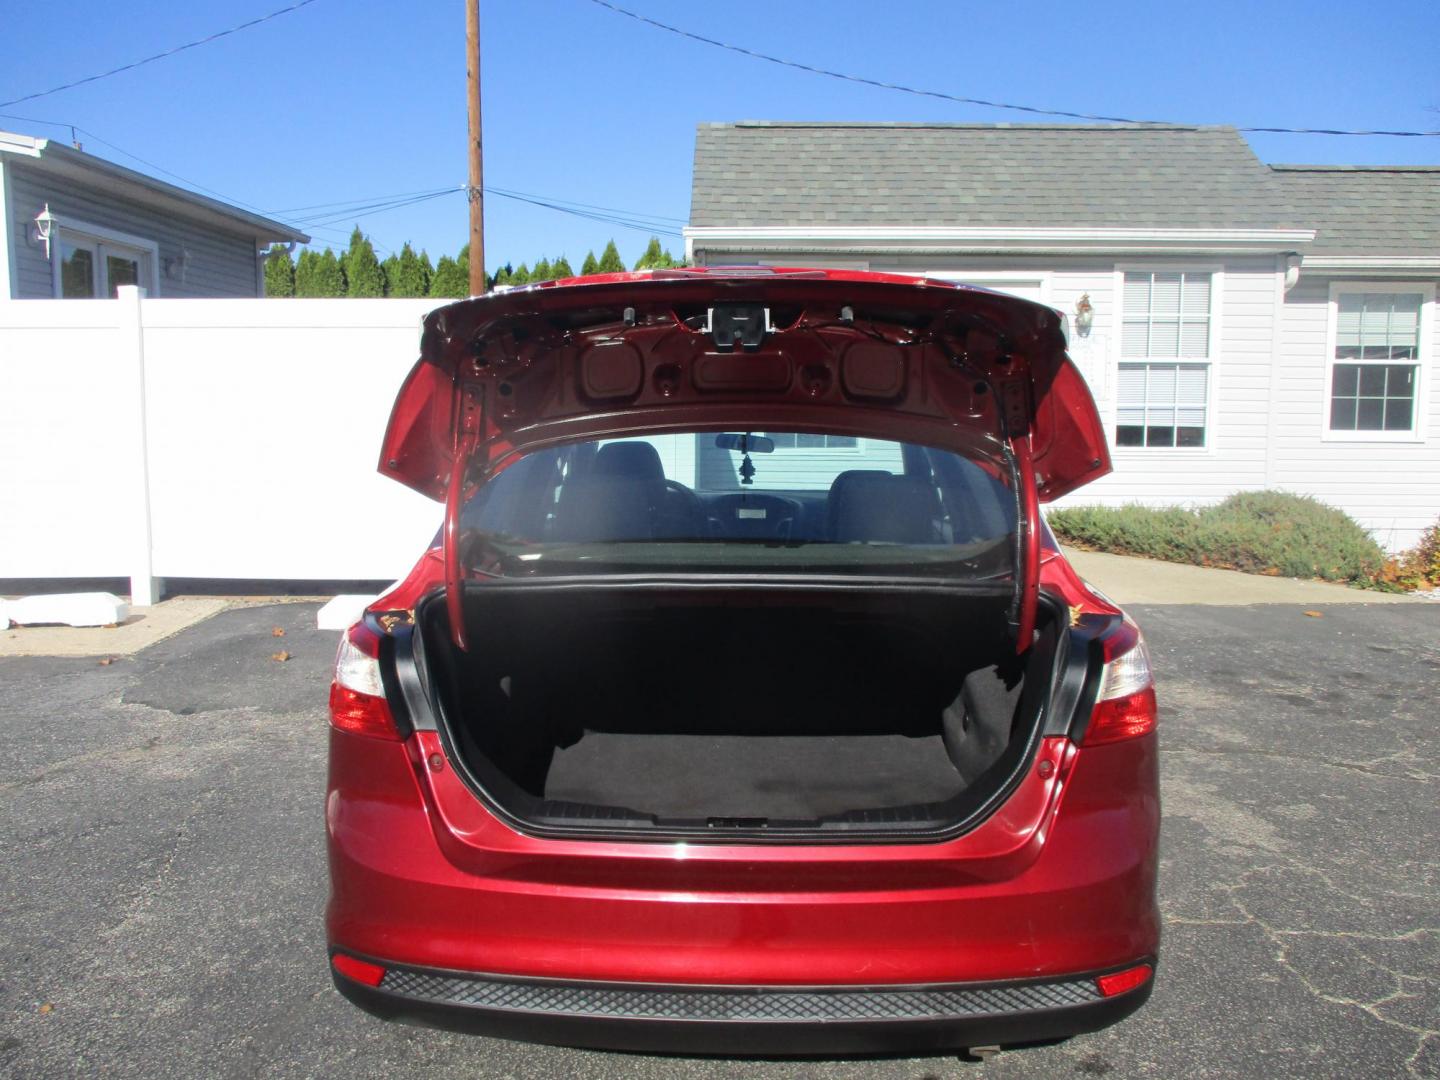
(162, 866)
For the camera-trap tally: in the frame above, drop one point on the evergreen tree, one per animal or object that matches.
(542, 271)
(319, 275)
(279, 272)
(520, 275)
(503, 276)
(610, 261)
(305, 273)
(654, 258)
(330, 275)
(561, 269)
(389, 270)
(363, 276)
(590, 265)
(411, 273)
(450, 279)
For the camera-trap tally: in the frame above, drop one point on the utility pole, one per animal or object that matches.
(477, 165)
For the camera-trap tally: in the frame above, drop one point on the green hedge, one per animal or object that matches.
(1260, 532)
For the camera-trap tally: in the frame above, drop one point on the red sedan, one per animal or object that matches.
(745, 704)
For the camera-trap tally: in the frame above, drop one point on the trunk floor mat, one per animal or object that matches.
(775, 776)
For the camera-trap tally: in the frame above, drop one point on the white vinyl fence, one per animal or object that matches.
(204, 438)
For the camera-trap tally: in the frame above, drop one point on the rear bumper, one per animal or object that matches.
(749, 1020)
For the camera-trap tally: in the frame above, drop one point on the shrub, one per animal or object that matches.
(1418, 568)
(1259, 532)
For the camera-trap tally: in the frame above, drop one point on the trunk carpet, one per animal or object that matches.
(771, 776)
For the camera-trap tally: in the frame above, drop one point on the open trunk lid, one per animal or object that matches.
(835, 352)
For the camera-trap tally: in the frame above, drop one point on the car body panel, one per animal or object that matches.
(557, 361)
(1070, 892)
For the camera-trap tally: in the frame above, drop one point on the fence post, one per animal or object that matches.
(145, 587)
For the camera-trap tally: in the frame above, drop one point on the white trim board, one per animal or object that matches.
(984, 239)
(7, 237)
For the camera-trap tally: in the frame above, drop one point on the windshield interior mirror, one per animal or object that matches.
(746, 444)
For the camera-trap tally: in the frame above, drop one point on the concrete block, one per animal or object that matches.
(67, 609)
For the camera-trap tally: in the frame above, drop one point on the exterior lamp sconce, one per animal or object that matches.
(177, 265)
(1084, 315)
(43, 231)
(1292, 270)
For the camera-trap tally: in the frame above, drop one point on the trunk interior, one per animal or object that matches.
(736, 708)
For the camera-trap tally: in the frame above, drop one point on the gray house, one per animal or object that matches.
(1241, 325)
(78, 226)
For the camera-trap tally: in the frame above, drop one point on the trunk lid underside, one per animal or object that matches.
(830, 352)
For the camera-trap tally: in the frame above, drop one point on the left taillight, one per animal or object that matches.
(1125, 704)
(357, 696)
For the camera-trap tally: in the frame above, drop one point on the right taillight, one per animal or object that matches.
(357, 696)
(1125, 703)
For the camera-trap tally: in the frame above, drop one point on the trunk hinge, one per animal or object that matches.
(1014, 398)
(469, 423)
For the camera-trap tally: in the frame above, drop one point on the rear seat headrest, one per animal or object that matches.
(878, 506)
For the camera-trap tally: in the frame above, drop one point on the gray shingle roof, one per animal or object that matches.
(982, 175)
(1366, 210)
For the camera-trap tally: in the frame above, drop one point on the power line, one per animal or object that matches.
(353, 202)
(624, 223)
(379, 208)
(76, 128)
(354, 209)
(161, 55)
(1034, 110)
(635, 214)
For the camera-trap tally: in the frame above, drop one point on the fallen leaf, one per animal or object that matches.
(277, 632)
(107, 661)
(281, 656)
(46, 1008)
(1315, 614)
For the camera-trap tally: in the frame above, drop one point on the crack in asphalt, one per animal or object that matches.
(1277, 936)
(1364, 768)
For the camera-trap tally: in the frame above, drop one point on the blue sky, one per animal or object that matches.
(347, 99)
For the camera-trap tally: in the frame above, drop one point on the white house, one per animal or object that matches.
(1250, 325)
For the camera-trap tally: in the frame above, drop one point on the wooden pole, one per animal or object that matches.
(477, 167)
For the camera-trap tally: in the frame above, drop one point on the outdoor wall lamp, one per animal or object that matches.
(43, 230)
(1084, 315)
(177, 265)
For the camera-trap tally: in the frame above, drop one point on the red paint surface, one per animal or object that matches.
(1060, 880)
(514, 346)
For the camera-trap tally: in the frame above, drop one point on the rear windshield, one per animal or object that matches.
(743, 501)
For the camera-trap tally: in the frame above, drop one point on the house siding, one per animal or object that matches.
(221, 264)
(1392, 488)
(1267, 392)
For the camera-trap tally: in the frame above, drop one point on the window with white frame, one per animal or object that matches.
(801, 441)
(1376, 361)
(1163, 388)
(92, 262)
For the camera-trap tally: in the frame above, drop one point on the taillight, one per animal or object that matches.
(1122, 982)
(357, 696)
(361, 971)
(1125, 704)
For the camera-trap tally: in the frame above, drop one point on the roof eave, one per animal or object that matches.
(61, 160)
(1422, 266)
(944, 239)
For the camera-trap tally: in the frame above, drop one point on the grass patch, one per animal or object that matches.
(1259, 532)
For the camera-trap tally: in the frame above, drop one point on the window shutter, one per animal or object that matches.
(1130, 394)
(1135, 339)
(1137, 294)
(1190, 393)
(1165, 294)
